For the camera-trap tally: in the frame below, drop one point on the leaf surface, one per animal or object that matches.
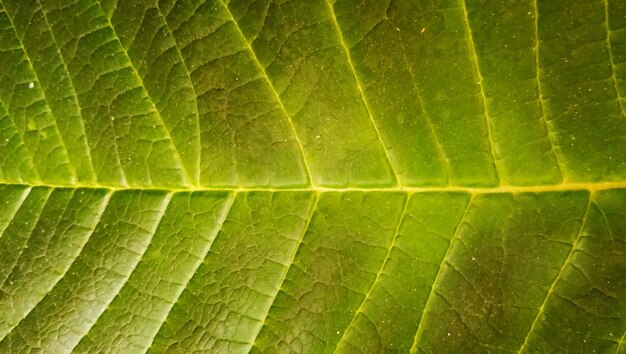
(313, 176)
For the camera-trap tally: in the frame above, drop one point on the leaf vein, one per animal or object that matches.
(72, 88)
(378, 274)
(193, 89)
(440, 149)
(621, 343)
(611, 60)
(35, 223)
(29, 154)
(488, 119)
(271, 85)
(160, 214)
(103, 206)
(549, 131)
(595, 186)
(420, 329)
(291, 262)
(165, 130)
(220, 221)
(43, 94)
(558, 276)
(17, 207)
(342, 42)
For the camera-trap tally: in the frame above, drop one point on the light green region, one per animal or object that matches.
(224, 303)
(57, 239)
(184, 236)
(109, 256)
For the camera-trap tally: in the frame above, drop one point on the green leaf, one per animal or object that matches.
(313, 176)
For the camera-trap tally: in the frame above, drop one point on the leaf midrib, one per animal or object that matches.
(562, 187)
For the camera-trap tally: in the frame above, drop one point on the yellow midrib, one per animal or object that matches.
(589, 186)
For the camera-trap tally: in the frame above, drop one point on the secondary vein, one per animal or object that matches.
(378, 274)
(541, 103)
(43, 94)
(333, 18)
(195, 95)
(291, 262)
(442, 153)
(72, 89)
(216, 231)
(177, 156)
(420, 327)
(103, 205)
(556, 280)
(271, 85)
(488, 119)
(610, 49)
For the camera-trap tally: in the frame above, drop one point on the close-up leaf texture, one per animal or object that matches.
(313, 176)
